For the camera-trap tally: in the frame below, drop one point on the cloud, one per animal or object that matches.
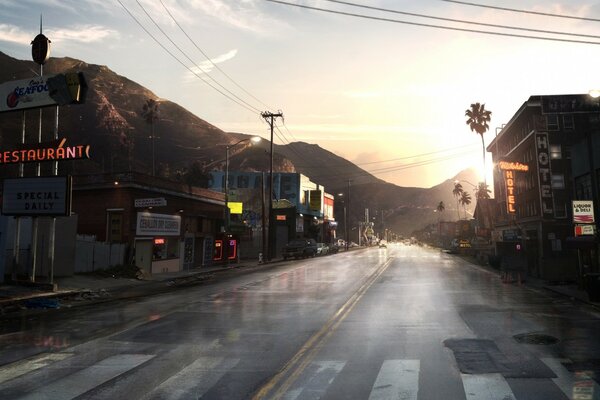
(83, 34)
(207, 66)
(13, 34)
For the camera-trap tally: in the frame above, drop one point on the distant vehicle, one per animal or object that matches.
(340, 243)
(352, 244)
(334, 248)
(322, 249)
(382, 243)
(300, 248)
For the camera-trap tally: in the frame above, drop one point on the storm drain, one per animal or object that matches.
(536, 338)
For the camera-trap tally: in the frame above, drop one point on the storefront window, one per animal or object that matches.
(165, 248)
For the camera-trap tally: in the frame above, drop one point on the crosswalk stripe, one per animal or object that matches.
(397, 380)
(568, 383)
(194, 380)
(87, 379)
(317, 382)
(486, 387)
(23, 367)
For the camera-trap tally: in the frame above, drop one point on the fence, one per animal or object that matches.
(92, 256)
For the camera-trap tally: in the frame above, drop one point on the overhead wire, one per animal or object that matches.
(181, 62)
(209, 59)
(192, 61)
(545, 14)
(462, 21)
(443, 27)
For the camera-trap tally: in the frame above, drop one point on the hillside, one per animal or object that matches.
(187, 147)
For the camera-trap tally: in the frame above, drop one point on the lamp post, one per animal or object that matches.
(254, 139)
(341, 196)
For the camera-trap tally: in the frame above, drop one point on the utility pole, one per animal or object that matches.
(270, 118)
(347, 210)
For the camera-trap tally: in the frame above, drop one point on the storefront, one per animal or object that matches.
(158, 242)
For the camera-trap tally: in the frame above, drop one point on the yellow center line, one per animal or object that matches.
(296, 365)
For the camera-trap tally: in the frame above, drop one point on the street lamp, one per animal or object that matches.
(341, 195)
(254, 139)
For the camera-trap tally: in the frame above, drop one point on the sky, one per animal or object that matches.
(388, 96)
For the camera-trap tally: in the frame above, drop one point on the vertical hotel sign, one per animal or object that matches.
(544, 174)
(510, 168)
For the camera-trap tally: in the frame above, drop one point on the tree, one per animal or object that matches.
(457, 192)
(465, 200)
(482, 191)
(441, 207)
(150, 115)
(478, 118)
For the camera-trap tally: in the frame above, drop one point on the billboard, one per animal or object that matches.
(41, 196)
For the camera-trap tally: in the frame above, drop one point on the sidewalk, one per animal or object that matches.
(86, 288)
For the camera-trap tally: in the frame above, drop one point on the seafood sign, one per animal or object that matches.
(26, 93)
(47, 152)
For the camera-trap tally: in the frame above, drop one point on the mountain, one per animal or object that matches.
(187, 147)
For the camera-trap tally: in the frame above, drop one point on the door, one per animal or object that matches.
(143, 254)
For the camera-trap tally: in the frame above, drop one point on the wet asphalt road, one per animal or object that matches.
(399, 323)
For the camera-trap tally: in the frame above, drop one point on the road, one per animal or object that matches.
(404, 322)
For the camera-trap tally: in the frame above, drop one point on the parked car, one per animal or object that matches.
(334, 248)
(300, 248)
(322, 249)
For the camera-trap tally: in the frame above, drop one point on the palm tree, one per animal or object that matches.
(457, 192)
(482, 191)
(441, 207)
(465, 200)
(150, 115)
(478, 118)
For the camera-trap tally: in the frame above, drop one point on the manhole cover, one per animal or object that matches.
(535, 338)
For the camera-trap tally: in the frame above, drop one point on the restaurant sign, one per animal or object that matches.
(25, 93)
(40, 196)
(55, 151)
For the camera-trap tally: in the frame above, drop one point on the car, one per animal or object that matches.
(298, 248)
(334, 248)
(322, 249)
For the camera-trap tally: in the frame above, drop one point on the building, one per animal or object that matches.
(534, 182)
(168, 226)
(301, 207)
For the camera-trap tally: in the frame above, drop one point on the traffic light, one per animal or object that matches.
(68, 88)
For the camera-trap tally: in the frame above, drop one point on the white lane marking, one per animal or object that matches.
(194, 380)
(486, 387)
(23, 367)
(573, 386)
(318, 382)
(86, 379)
(397, 380)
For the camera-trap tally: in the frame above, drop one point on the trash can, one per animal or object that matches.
(591, 283)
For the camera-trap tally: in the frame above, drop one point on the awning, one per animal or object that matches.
(581, 242)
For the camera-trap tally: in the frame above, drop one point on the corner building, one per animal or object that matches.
(535, 217)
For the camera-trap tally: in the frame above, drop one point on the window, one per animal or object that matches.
(560, 209)
(115, 226)
(552, 122)
(568, 122)
(243, 181)
(558, 181)
(583, 187)
(555, 152)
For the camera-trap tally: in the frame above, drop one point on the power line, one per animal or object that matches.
(369, 17)
(192, 61)
(208, 58)
(523, 11)
(181, 62)
(463, 21)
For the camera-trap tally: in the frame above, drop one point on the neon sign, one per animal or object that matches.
(45, 153)
(509, 179)
(513, 166)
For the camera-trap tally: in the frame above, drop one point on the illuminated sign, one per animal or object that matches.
(509, 180)
(545, 174)
(49, 196)
(235, 207)
(585, 230)
(25, 93)
(55, 152)
(513, 166)
(159, 241)
(281, 217)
